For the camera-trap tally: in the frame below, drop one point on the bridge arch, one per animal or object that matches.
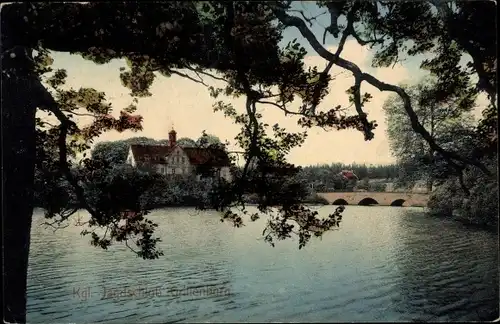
(398, 203)
(367, 202)
(340, 201)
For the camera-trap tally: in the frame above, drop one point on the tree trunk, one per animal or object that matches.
(18, 164)
(430, 179)
(431, 151)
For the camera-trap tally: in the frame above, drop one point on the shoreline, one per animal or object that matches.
(457, 217)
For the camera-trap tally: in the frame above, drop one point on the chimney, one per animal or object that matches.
(172, 138)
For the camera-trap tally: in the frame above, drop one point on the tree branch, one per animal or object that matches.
(200, 81)
(47, 102)
(200, 71)
(56, 225)
(358, 105)
(309, 20)
(382, 86)
(478, 60)
(324, 74)
(79, 114)
(334, 8)
(281, 107)
(253, 126)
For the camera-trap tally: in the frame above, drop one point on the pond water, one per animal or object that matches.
(383, 264)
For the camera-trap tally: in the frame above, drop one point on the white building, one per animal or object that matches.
(174, 159)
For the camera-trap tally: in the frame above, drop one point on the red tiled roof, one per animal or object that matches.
(214, 157)
(153, 151)
(211, 156)
(348, 174)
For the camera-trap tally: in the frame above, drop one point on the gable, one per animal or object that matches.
(130, 157)
(177, 155)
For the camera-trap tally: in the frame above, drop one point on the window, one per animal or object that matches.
(146, 157)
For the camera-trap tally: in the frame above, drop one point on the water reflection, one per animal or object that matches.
(455, 277)
(50, 266)
(384, 264)
(67, 275)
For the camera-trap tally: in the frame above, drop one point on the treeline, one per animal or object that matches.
(326, 177)
(390, 171)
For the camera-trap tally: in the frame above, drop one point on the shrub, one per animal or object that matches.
(377, 187)
(480, 207)
(315, 199)
(363, 184)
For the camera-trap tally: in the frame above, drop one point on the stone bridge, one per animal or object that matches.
(364, 198)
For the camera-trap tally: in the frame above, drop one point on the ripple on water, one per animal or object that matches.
(384, 264)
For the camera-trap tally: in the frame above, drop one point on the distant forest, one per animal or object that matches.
(326, 177)
(363, 171)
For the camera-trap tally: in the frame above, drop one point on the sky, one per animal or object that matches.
(187, 106)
